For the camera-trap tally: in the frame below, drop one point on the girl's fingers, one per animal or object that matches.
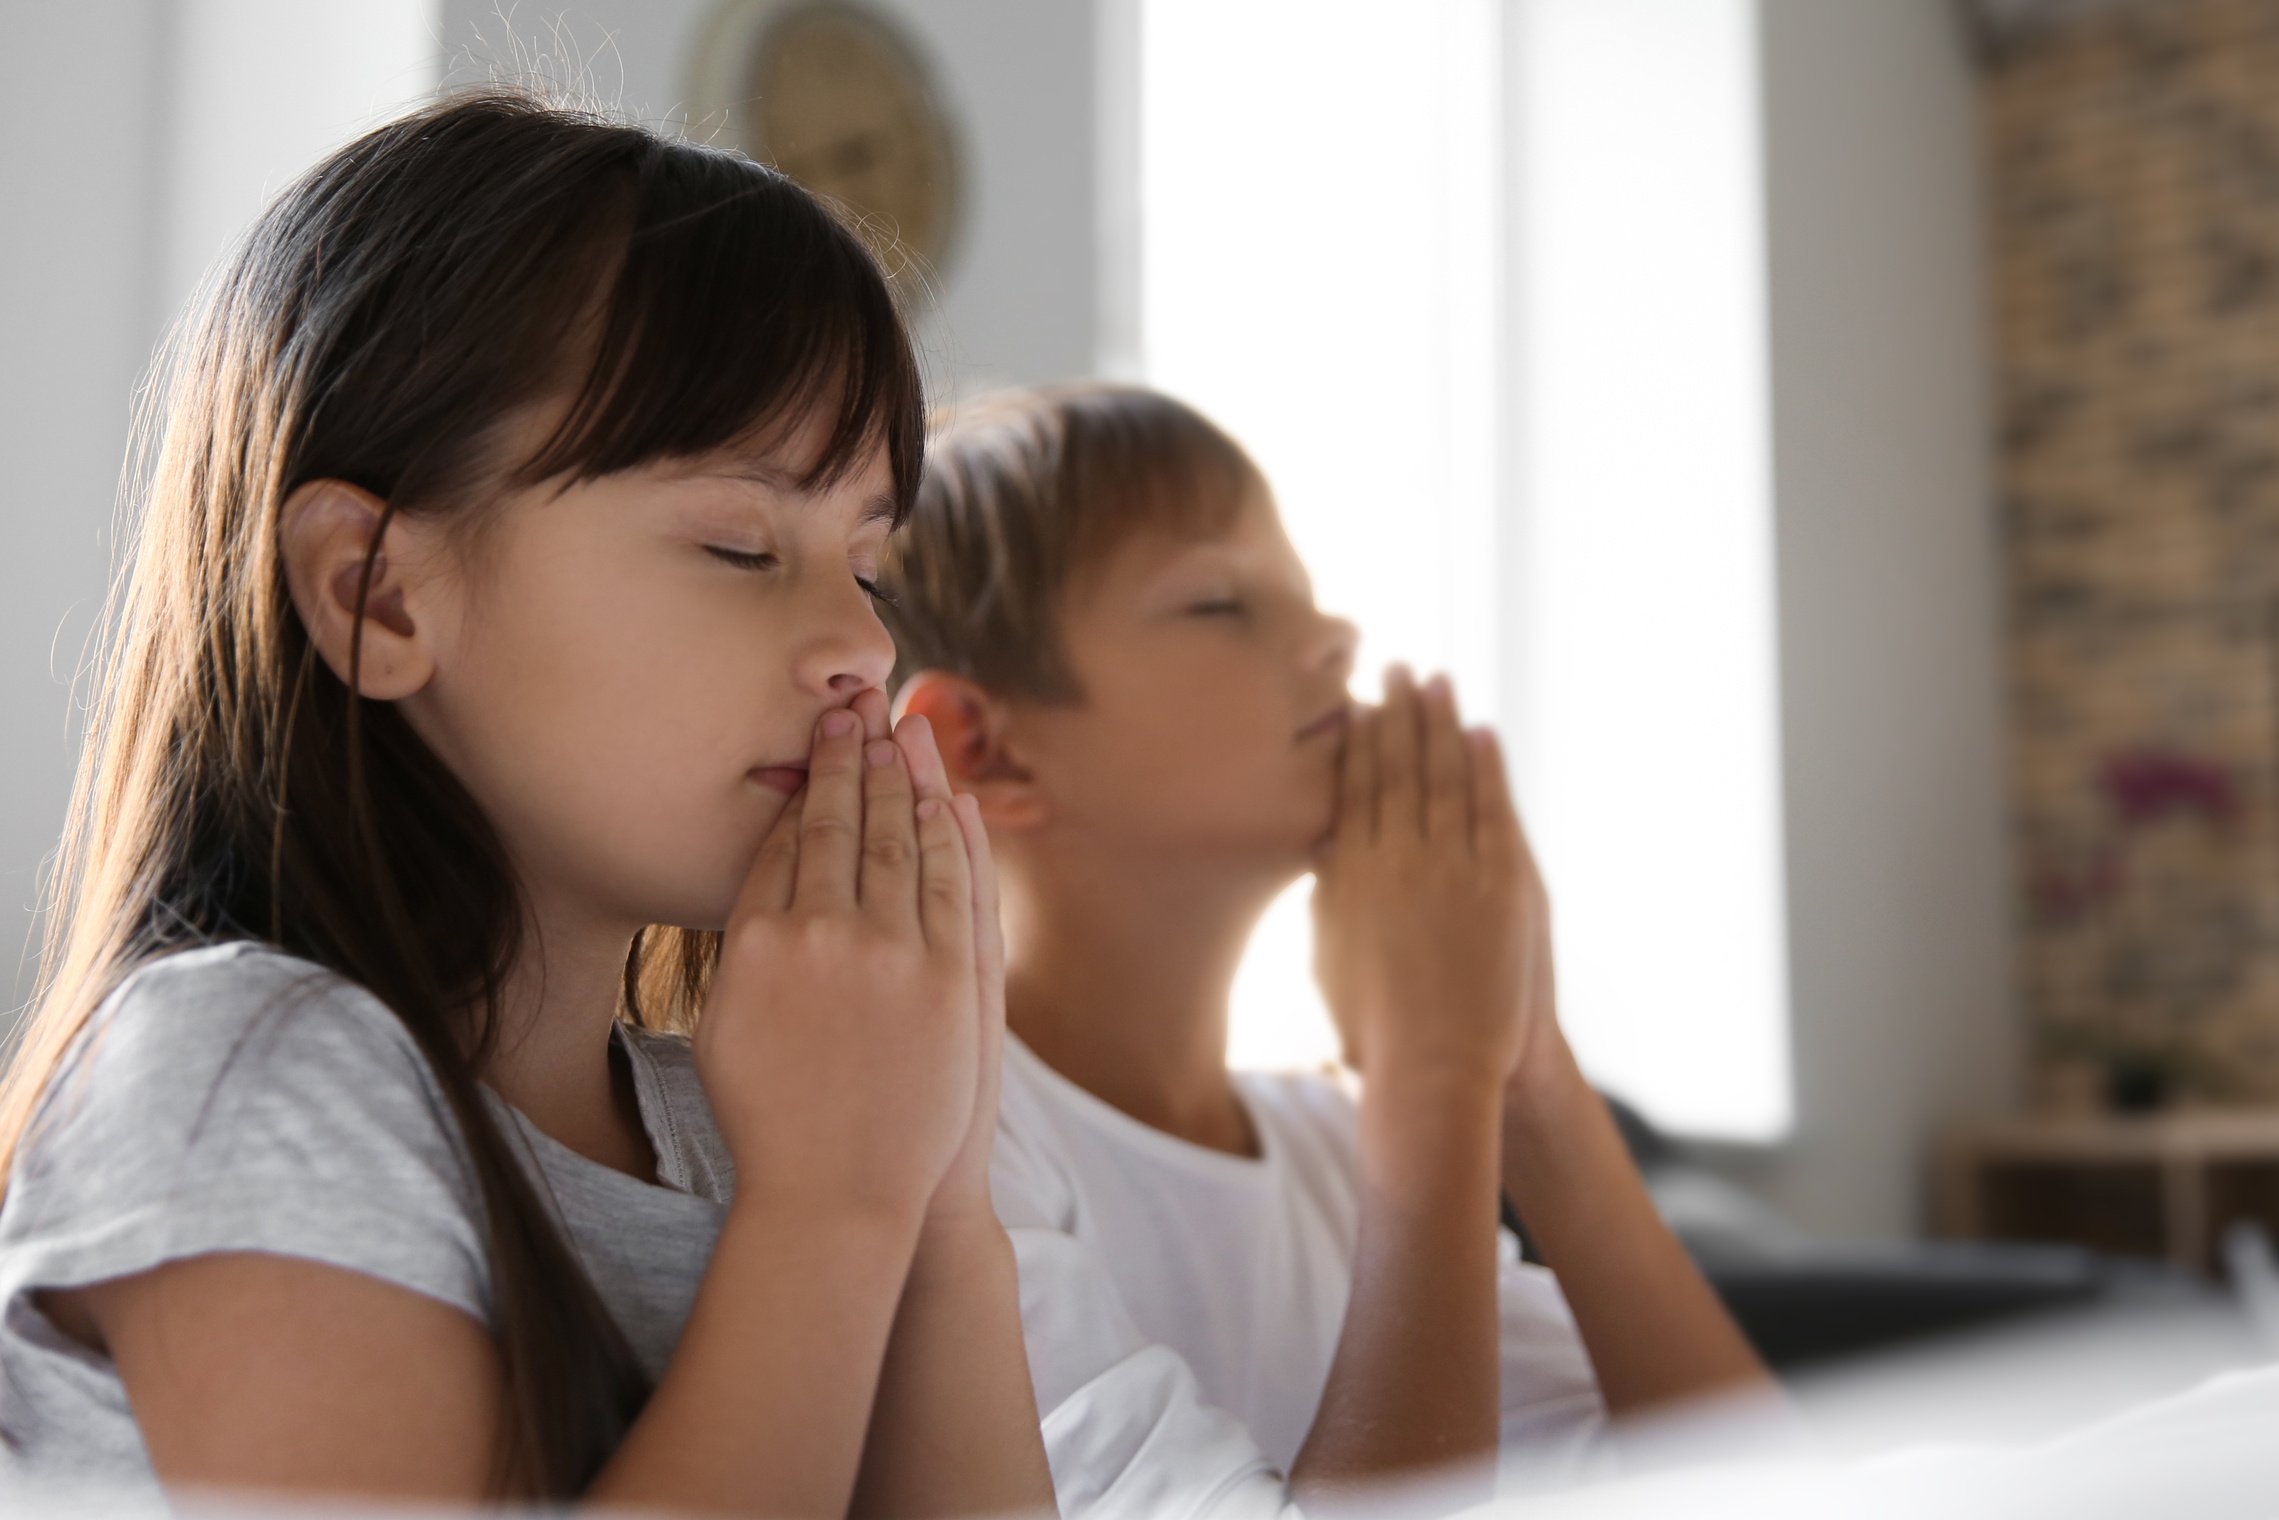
(1357, 778)
(989, 958)
(988, 928)
(984, 930)
(1400, 801)
(831, 825)
(945, 879)
(929, 776)
(889, 885)
(1446, 770)
(767, 889)
(870, 705)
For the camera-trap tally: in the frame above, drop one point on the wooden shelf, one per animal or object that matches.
(2161, 1185)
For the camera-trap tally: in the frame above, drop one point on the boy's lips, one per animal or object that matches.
(1331, 722)
(784, 778)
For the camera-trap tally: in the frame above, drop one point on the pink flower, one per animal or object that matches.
(2148, 785)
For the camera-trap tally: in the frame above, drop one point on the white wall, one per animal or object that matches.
(1641, 657)
(1889, 594)
(1020, 293)
(78, 185)
(261, 89)
(147, 133)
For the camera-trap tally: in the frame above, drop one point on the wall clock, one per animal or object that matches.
(836, 96)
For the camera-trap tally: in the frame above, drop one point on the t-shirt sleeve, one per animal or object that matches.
(1127, 1430)
(235, 1099)
(1554, 1425)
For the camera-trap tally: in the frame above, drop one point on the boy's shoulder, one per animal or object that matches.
(1310, 1117)
(1307, 1121)
(1324, 1093)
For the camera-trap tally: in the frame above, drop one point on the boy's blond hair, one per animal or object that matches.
(1023, 494)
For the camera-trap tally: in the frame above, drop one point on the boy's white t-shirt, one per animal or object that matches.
(1182, 1305)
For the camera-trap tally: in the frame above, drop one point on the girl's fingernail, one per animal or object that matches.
(1438, 685)
(880, 753)
(838, 723)
(928, 807)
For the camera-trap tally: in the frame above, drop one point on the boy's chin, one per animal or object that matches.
(1271, 855)
(1301, 850)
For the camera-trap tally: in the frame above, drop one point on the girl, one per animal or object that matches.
(500, 633)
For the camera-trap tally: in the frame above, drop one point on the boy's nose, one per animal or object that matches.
(1336, 645)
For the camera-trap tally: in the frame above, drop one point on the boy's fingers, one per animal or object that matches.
(1357, 778)
(1447, 779)
(889, 885)
(945, 879)
(830, 826)
(1495, 822)
(1400, 805)
(767, 889)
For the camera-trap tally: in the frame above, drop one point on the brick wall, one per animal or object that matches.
(2135, 184)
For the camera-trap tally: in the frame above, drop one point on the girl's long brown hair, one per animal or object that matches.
(382, 324)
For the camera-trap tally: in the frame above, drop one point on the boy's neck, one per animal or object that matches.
(1118, 979)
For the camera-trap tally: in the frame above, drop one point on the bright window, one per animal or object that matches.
(1481, 286)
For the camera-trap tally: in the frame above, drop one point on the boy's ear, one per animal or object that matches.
(324, 532)
(969, 726)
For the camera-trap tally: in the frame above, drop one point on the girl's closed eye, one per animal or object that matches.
(1227, 605)
(765, 559)
(863, 562)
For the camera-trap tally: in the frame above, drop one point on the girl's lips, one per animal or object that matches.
(1330, 722)
(784, 778)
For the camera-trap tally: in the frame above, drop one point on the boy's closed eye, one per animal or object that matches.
(743, 559)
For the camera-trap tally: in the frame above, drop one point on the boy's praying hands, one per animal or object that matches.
(1433, 949)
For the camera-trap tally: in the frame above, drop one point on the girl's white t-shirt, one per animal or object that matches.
(233, 1098)
(1183, 1305)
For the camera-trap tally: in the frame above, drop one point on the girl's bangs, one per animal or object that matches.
(739, 313)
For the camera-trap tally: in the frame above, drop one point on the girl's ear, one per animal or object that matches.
(969, 727)
(324, 533)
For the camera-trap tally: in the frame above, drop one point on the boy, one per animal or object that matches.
(1240, 1288)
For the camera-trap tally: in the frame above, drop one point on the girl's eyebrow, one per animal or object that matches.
(757, 471)
(879, 509)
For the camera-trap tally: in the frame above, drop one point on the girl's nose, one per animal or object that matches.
(847, 650)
